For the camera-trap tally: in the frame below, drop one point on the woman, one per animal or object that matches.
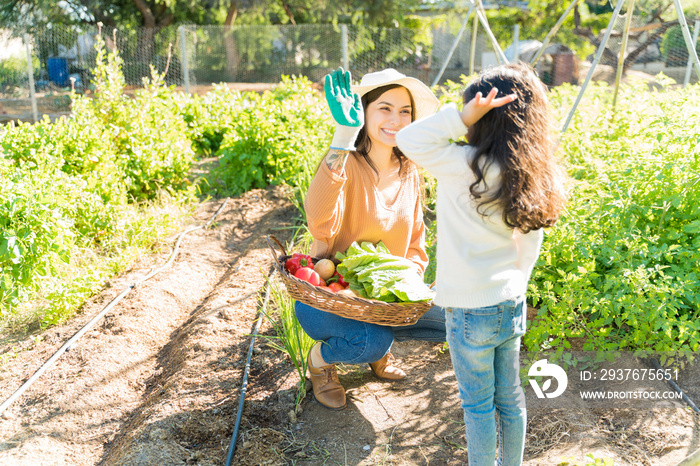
(366, 190)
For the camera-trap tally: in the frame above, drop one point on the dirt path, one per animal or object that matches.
(157, 381)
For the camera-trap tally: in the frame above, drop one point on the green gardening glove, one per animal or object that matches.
(346, 108)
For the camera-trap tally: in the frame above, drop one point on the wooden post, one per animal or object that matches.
(30, 72)
(185, 69)
(344, 59)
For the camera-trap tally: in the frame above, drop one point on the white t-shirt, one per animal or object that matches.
(480, 261)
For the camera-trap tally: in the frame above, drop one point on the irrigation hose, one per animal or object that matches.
(694, 458)
(68, 344)
(675, 386)
(244, 385)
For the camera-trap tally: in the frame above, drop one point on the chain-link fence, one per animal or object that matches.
(263, 53)
(61, 57)
(197, 56)
(653, 46)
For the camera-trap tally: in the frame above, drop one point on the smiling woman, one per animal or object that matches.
(366, 190)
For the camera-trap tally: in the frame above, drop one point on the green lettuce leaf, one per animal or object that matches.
(375, 273)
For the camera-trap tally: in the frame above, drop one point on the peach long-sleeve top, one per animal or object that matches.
(344, 208)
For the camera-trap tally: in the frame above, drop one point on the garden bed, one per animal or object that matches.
(158, 380)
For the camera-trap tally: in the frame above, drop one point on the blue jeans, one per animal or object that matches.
(354, 342)
(485, 351)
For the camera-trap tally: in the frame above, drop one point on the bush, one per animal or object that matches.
(35, 233)
(619, 268)
(673, 48)
(14, 76)
(67, 216)
(147, 132)
(210, 116)
(272, 137)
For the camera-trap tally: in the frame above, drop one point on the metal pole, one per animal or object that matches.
(623, 50)
(472, 51)
(598, 54)
(345, 60)
(185, 69)
(689, 67)
(516, 43)
(30, 71)
(554, 30)
(686, 35)
(482, 17)
(454, 46)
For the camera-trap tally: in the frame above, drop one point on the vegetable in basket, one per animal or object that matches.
(375, 273)
(297, 261)
(309, 275)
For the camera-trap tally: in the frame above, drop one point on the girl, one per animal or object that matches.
(366, 190)
(494, 196)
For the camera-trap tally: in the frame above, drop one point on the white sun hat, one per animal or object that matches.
(425, 100)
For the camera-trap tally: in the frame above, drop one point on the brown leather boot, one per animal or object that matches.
(384, 370)
(326, 386)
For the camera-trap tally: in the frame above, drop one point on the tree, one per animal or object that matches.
(658, 17)
(389, 13)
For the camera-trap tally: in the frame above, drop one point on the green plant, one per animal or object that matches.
(618, 269)
(293, 341)
(35, 234)
(673, 47)
(67, 222)
(274, 134)
(147, 132)
(14, 75)
(208, 117)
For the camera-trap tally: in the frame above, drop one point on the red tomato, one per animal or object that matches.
(335, 286)
(338, 278)
(308, 275)
(326, 288)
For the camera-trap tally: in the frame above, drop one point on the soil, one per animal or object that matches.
(158, 380)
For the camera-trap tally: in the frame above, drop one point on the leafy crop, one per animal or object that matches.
(34, 231)
(68, 219)
(268, 138)
(620, 268)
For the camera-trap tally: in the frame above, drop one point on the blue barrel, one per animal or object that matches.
(58, 71)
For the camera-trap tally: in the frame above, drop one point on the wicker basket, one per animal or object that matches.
(365, 310)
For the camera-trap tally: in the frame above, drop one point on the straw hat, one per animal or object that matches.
(425, 100)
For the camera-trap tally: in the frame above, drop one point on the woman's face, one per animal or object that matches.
(387, 115)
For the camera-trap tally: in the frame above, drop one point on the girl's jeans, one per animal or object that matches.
(485, 349)
(354, 342)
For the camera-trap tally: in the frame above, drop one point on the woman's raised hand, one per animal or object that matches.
(344, 104)
(479, 106)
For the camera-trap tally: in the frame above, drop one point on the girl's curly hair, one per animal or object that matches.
(519, 139)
